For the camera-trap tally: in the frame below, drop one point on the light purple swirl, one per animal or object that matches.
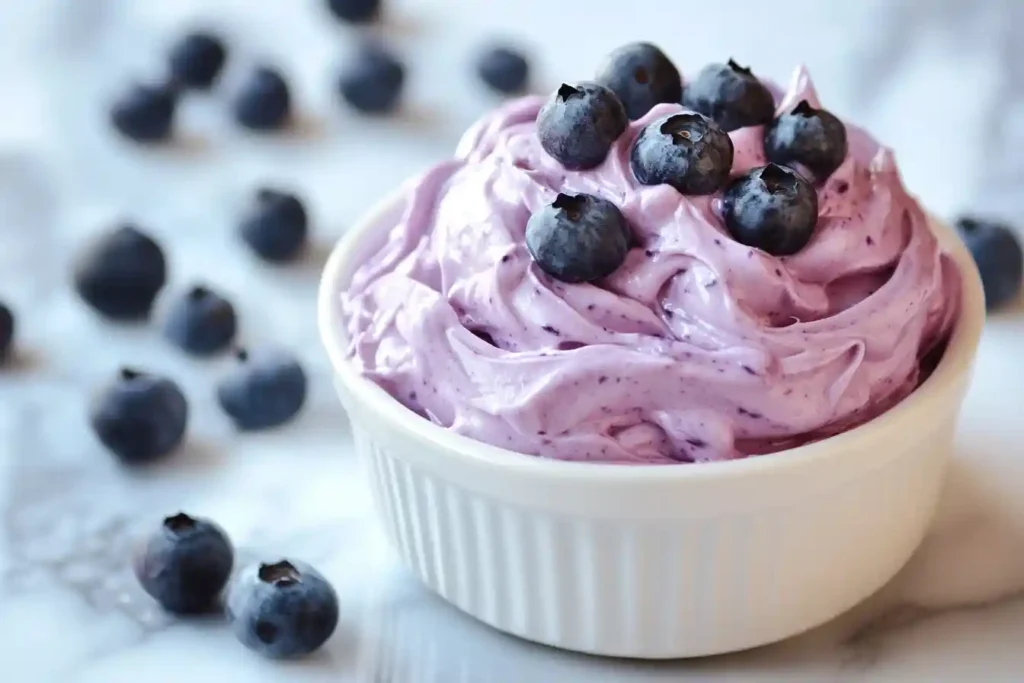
(698, 348)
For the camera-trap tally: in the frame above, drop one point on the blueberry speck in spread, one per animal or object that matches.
(264, 102)
(578, 238)
(265, 389)
(997, 252)
(731, 95)
(372, 82)
(140, 417)
(503, 69)
(579, 123)
(814, 139)
(283, 609)
(275, 226)
(642, 76)
(869, 240)
(201, 322)
(145, 113)
(842, 186)
(197, 59)
(184, 564)
(6, 331)
(749, 370)
(687, 151)
(354, 11)
(550, 330)
(697, 443)
(120, 273)
(772, 208)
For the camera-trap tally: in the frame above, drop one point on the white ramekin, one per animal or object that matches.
(653, 562)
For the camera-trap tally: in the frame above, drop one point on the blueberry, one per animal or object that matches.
(6, 331)
(578, 238)
(264, 101)
(642, 76)
(687, 151)
(184, 564)
(197, 59)
(266, 389)
(201, 322)
(372, 82)
(772, 208)
(141, 417)
(504, 69)
(282, 610)
(808, 137)
(731, 95)
(120, 273)
(354, 11)
(997, 251)
(145, 113)
(276, 225)
(579, 123)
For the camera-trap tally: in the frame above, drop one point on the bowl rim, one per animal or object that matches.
(956, 362)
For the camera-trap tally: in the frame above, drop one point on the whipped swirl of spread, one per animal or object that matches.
(697, 348)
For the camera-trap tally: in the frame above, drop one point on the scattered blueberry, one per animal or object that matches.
(372, 82)
(201, 322)
(642, 76)
(354, 11)
(772, 208)
(140, 417)
(997, 251)
(731, 95)
(504, 69)
(184, 564)
(687, 151)
(282, 610)
(276, 226)
(579, 123)
(808, 137)
(197, 59)
(266, 389)
(120, 273)
(6, 331)
(145, 113)
(578, 238)
(264, 102)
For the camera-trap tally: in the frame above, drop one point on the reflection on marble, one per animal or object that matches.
(940, 79)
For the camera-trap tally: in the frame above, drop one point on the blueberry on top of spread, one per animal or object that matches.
(687, 151)
(578, 238)
(642, 76)
(731, 95)
(812, 138)
(579, 123)
(772, 208)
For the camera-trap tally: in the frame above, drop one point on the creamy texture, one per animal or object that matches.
(697, 348)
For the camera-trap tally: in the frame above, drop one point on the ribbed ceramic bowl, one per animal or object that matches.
(658, 561)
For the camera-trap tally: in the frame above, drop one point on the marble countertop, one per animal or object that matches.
(937, 79)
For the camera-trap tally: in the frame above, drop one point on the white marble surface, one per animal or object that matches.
(937, 79)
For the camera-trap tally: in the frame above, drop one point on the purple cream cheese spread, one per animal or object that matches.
(697, 348)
